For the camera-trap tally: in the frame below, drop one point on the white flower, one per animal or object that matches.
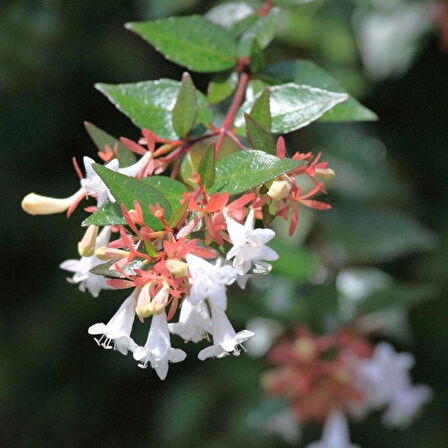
(385, 381)
(406, 404)
(249, 244)
(81, 268)
(225, 339)
(118, 329)
(93, 183)
(157, 350)
(194, 322)
(335, 433)
(208, 281)
(285, 425)
(383, 374)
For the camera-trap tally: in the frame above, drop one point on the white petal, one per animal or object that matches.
(237, 232)
(99, 328)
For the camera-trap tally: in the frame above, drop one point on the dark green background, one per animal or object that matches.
(56, 387)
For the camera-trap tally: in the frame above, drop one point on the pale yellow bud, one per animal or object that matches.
(279, 189)
(35, 204)
(326, 173)
(177, 268)
(147, 306)
(305, 349)
(86, 247)
(109, 253)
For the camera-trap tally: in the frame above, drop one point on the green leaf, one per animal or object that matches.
(245, 170)
(294, 261)
(307, 73)
(149, 104)
(264, 29)
(394, 296)
(126, 190)
(258, 136)
(207, 167)
(261, 110)
(185, 110)
(221, 87)
(129, 269)
(109, 214)
(193, 42)
(171, 189)
(101, 139)
(177, 214)
(368, 234)
(294, 106)
(257, 60)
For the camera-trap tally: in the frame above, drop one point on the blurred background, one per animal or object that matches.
(380, 251)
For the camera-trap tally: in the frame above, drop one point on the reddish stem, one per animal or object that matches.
(266, 8)
(230, 117)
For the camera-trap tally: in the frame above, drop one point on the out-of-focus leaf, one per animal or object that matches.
(192, 41)
(126, 190)
(294, 106)
(221, 87)
(206, 167)
(109, 214)
(244, 170)
(149, 104)
(257, 60)
(395, 296)
(228, 15)
(102, 138)
(291, 2)
(171, 189)
(263, 30)
(297, 263)
(258, 136)
(307, 73)
(368, 234)
(185, 110)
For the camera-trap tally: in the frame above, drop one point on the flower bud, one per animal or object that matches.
(279, 189)
(146, 306)
(35, 204)
(305, 349)
(177, 268)
(326, 173)
(109, 253)
(86, 247)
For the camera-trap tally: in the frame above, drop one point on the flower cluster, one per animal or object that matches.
(330, 377)
(186, 263)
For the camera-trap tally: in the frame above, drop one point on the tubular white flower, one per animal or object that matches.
(209, 281)
(157, 350)
(225, 339)
(194, 322)
(335, 433)
(93, 183)
(35, 204)
(249, 244)
(118, 329)
(81, 268)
